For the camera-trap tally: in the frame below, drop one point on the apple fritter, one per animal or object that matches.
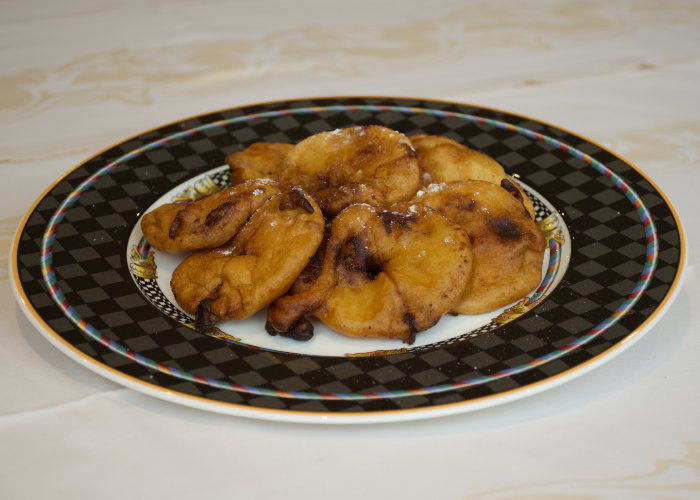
(385, 273)
(363, 164)
(208, 222)
(261, 160)
(442, 159)
(258, 265)
(507, 245)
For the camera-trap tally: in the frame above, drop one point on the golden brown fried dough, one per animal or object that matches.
(208, 222)
(443, 160)
(385, 273)
(365, 164)
(507, 245)
(257, 266)
(261, 160)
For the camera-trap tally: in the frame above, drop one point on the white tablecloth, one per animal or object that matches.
(78, 76)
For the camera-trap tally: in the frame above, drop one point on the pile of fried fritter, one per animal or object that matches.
(363, 228)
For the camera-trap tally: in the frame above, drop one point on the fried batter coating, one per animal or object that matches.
(363, 164)
(443, 160)
(507, 245)
(385, 273)
(257, 266)
(208, 222)
(261, 160)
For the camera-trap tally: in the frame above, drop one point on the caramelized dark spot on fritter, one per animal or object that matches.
(217, 215)
(302, 330)
(468, 206)
(175, 225)
(311, 271)
(204, 318)
(510, 187)
(410, 320)
(356, 256)
(461, 203)
(295, 198)
(505, 228)
(395, 219)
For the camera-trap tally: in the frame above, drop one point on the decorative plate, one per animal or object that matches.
(89, 281)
